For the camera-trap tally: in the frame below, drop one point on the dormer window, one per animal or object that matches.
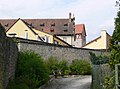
(30, 25)
(42, 24)
(65, 30)
(6, 25)
(65, 24)
(51, 30)
(53, 24)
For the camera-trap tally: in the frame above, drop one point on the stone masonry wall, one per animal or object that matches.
(61, 52)
(8, 57)
(99, 72)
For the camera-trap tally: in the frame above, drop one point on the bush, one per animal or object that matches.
(63, 67)
(109, 82)
(31, 70)
(57, 66)
(97, 60)
(80, 67)
(76, 67)
(52, 64)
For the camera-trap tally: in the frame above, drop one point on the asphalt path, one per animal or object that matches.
(79, 82)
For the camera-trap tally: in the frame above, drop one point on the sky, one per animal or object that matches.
(97, 15)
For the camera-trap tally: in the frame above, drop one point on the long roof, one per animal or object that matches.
(52, 26)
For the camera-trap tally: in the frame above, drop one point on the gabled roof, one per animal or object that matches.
(26, 25)
(79, 29)
(95, 39)
(92, 41)
(58, 26)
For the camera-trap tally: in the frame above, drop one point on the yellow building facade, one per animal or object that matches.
(102, 42)
(20, 29)
(23, 30)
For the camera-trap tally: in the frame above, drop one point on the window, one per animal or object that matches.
(45, 38)
(56, 42)
(6, 25)
(65, 30)
(37, 37)
(66, 24)
(42, 24)
(53, 24)
(30, 25)
(78, 36)
(65, 39)
(26, 34)
(52, 30)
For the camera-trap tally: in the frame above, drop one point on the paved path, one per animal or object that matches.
(80, 82)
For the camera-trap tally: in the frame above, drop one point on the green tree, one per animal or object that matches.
(115, 43)
(31, 72)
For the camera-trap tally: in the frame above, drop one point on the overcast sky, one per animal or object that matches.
(97, 15)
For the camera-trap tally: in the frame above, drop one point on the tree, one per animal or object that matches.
(115, 43)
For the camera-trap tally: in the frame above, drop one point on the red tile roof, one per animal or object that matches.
(7, 23)
(60, 26)
(79, 29)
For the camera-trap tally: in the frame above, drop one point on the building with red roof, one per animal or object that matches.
(80, 35)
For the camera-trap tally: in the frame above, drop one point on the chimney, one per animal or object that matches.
(70, 17)
(104, 38)
(73, 17)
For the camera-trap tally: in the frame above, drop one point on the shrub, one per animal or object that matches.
(97, 60)
(57, 66)
(52, 64)
(81, 67)
(63, 67)
(109, 82)
(31, 70)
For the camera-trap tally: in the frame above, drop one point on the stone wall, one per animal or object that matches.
(8, 57)
(61, 52)
(99, 72)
